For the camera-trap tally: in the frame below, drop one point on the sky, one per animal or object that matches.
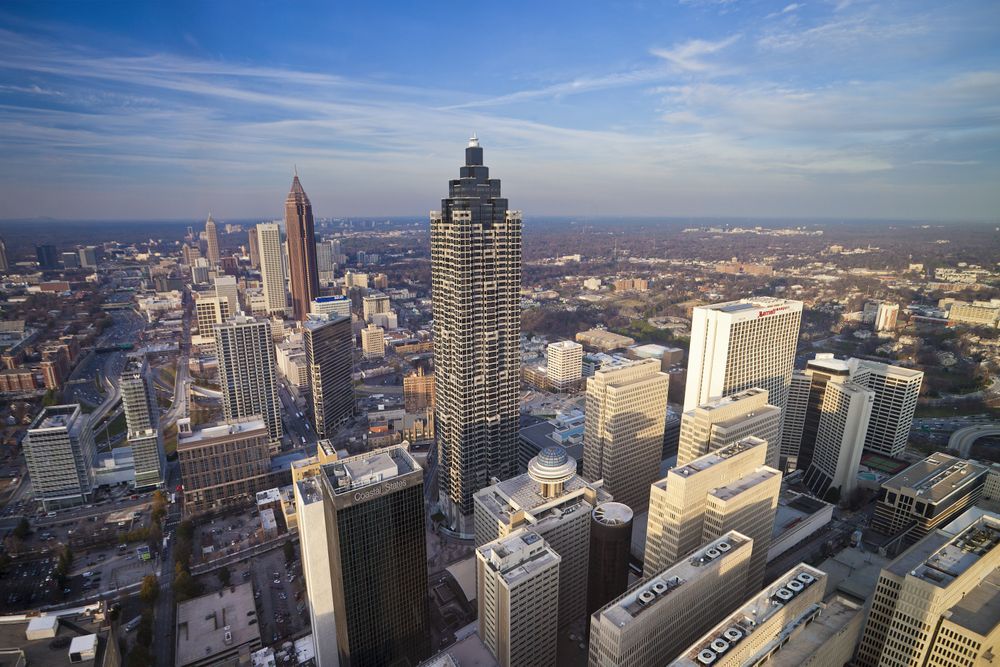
(812, 109)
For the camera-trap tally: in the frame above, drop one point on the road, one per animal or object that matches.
(298, 429)
(963, 439)
(163, 614)
(179, 405)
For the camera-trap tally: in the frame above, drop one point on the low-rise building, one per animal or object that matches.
(218, 629)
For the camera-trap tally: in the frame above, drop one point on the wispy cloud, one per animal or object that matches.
(691, 55)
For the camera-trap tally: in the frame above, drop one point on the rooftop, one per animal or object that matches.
(761, 305)
(55, 416)
(214, 623)
(952, 559)
(38, 651)
(234, 428)
(837, 614)
(936, 477)
(720, 455)
(524, 493)
(726, 401)
(369, 468)
(745, 483)
(518, 556)
(979, 609)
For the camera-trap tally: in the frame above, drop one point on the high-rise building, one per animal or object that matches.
(331, 305)
(418, 391)
(564, 365)
(209, 311)
(88, 257)
(253, 248)
(372, 342)
(928, 494)
(325, 262)
(553, 501)
(840, 436)
(374, 304)
(623, 434)
(329, 348)
(518, 596)
(885, 318)
(47, 256)
(728, 489)
(70, 260)
(272, 268)
(190, 253)
(671, 608)
(223, 464)
(302, 270)
(142, 419)
(938, 603)
(226, 288)
(476, 282)
(247, 373)
(723, 421)
(896, 391)
(4, 263)
(211, 241)
(774, 627)
(610, 553)
(742, 344)
(59, 452)
(361, 526)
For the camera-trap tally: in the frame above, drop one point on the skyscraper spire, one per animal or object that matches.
(303, 270)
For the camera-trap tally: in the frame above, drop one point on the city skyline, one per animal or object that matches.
(696, 109)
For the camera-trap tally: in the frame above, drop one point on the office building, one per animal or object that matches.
(418, 391)
(210, 311)
(372, 342)
(740, 345)
(564, 365)
(324, 261)
(253, 248)
(247, 373)
(517, 582)
(272, 268)
(374, 304)
(653, 621)
(777, 623)
(70, 260)
(226, 288)
(223, 464)
(142, 420)
(211, 241)
(610, 546)
(361, 525)
(885, 316)
(88, 257)
(302, 270)
(896, 391)
(927, 495)
(803, 409)
(840, 437)
(723, 421)
(214, 630)
(604, 340)
(623, 436)
(977, 313)
(329, 348)
(331, 305)
(47, 256)
(4, 262)
(938, 603)
(59, 452)
(476, 282)
(728, 489)
(553, 501)
(200, 272)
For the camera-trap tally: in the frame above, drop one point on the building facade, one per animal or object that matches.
(564, 365)
(329, 347)
(272, 268)
(722, 422)
(211, 241)
(302, 270)
(372, 342)
(223, 464)
(59, 452)
(840, 437)
(142, 422)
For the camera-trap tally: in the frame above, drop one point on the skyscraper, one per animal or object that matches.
(329, 345)
(373, 342)
(59, 452)
(142, 418)
(896, 391)
(361, 526)
(518, 595)
(623, 434)
(247, 373)
(254, 248)
(724, 421)
(211, 241)
(272, 270)
(4, 265)
(840, 437)
(740, 345)
(47, 256)
(303, 273)
(324, 260)
(226, 288)
(476, 282)
(564, 364)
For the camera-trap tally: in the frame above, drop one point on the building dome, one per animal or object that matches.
(552, 457)
(552, 465)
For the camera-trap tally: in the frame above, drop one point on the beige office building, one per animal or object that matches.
(724, 421)
(212, 241)
(840, 438)
(896, 391)
(938, 604)
(977, 313)
(226, 288)
(372, 342)
(728, 489)
(553, 501)
(623, 435)
(564, 365)
(656, 619)
(272, 267)
(517, 590)
(209, 311)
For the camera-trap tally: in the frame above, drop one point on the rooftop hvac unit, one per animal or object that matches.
(784, 594)
(733, 634)
(720, 645)
(659, 587)
(706, 657)
(724, 546)
(794, 586)
(806, 578)
(713, 553)
(646, 597)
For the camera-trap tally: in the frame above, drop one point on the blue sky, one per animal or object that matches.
(816, 108)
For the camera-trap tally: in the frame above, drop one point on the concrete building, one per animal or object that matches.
(331, 305)
(215, 629)
(372, 342)
(723, 421)
(253, 248)
(302, 270)
(374, 304)
(329, 347)
(623, 436)
(476, 281)
(728, 489)
(938, 603)
(223, 464)
(211, 241)
(325, 262)
(272, 268)
(654, 620)
(418, 391)
(927, 495)
(840, 437)
(517, 582)
(553, 501)
(977, 313)
(142, 422)
(564, 365)
(226, 288)
(609, 558)
(59, 452)
(209, 311)
(361, 522)
(604, 340)
(896, 391)
(247, 373)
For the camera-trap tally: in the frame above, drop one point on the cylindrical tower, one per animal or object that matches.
(610, 542)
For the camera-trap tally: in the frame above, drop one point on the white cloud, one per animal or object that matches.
(690, 56)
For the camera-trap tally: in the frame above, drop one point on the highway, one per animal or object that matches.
(963, 439)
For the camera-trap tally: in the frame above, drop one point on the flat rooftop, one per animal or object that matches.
(518, 556)
(55, 416)
(837, 614)
(369, 468)
(726, 401)
(744, 484)
(952, 559)
(720, 455)
(236, 428)
(936, 477)
(979, 609)
(38, 651)
(748, 305)
(523, 493)
(215, 623)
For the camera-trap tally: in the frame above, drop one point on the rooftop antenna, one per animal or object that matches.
(295, 169)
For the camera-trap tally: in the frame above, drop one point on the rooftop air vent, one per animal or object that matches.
(806, 578)
(659, 587)
(794, 586)
(713, 553)
(720, 645)
(706, 657)
(724, 546)
(733, 634)
(784, 594)
(646, 597)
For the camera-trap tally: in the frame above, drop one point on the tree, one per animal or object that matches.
(144, 634)
(150, 589)
(159, 506)
(224, 575)
(22, 529)
(289, 550)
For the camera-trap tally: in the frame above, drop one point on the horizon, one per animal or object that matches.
(694, 109)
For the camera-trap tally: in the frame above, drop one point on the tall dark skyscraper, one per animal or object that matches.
(212, 241)
(302, 268)
(476, 281)
(329, 344)
(47, 256)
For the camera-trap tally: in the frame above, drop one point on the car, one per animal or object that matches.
(67, 591)
(50, 515)
(88, 573)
